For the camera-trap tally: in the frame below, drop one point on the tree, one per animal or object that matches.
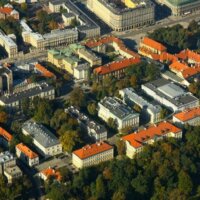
(53, 25)
(120, 147)
(25, 105)
(163, 113)
(24, 6)
(112, 123)
(69, 140)
(137, 108)
(119, 195)
(3, 117)
(184, 183)
(92, 108)
(133, 81)
(100, 188)
(77, 97)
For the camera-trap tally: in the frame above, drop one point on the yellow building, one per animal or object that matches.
(130, 3)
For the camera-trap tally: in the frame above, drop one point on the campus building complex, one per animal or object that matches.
(135, 142)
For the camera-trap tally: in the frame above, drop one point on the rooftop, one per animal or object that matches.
(24, 149)
(91, 150)
(181, 2)
(188, 114)
(170, 91)
(140, 138)
(6, 156)
(40, 133)
(6, 135)
(154, 44)
(117, 108)
(51, 172)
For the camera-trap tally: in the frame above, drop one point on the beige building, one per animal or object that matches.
(182, 7)
(44, 140)
(125, 18)
(12, 173)
(135, 142)
(7, 42)
(92, 155)
(26, 155)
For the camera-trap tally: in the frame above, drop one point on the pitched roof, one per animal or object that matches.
(188, 54)
(153, 44)
(5, 134)
(51, 172)
(44, 71)
(6, 10)
(137, 139)
(110, 39)
(178, 66)
(93, 149)
(24, 149)
(188, 114)
(115, 66)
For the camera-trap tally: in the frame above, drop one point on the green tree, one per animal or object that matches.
(69, 140)
(92, 108)
(77, 97)
(100, 188)
(119, 195)
(112, 123)
(3, 117)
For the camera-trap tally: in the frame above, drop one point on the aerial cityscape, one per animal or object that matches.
(99, 99)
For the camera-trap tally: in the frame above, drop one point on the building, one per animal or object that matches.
(45, 141)
(10, 46)
(7, 160)
(170, 95)
(5, 137)
(114, 69)
(13, 101)
(149, 110)
(26, 155)
(123, 116)
(81, 72)
(24, 1)
(87, 27)
(53, 39)
(189, 116)
(12, 173)
(135, 142)
(44, 72)
(94, 129)
(182, 7)
(49, 172)
(8, 11)
(6, 79)
(121, 18)
(92, 155)
(149, 46)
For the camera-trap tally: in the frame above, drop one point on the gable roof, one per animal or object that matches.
(91, 150)
(24, 149)
(188, 114)
(137, 139)
(5, 134)
(153, 44)
(51, 172)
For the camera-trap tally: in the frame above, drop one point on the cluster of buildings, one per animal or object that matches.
(86, 26)
(183, 66)
(8, 11)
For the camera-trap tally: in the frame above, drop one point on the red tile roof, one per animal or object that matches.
(44, 71)
(51, 172)
(24, 149)
(153, 44)
(115, 66)
(188, 54)
(188, 114)
(178, 66)
(6, 10)
(138, 138)
(91, 150)
(110, 39)
(5, 134)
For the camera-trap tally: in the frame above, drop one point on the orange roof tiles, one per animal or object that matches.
(110, 39)
(153, 44)
(115, 66)
(5, 134)
(178, 66)
(44, 71)
(188, 114)
(24, 149)
(51, 172)
(6, 10)
(137, 139)
(90, 150)
(188, 54)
